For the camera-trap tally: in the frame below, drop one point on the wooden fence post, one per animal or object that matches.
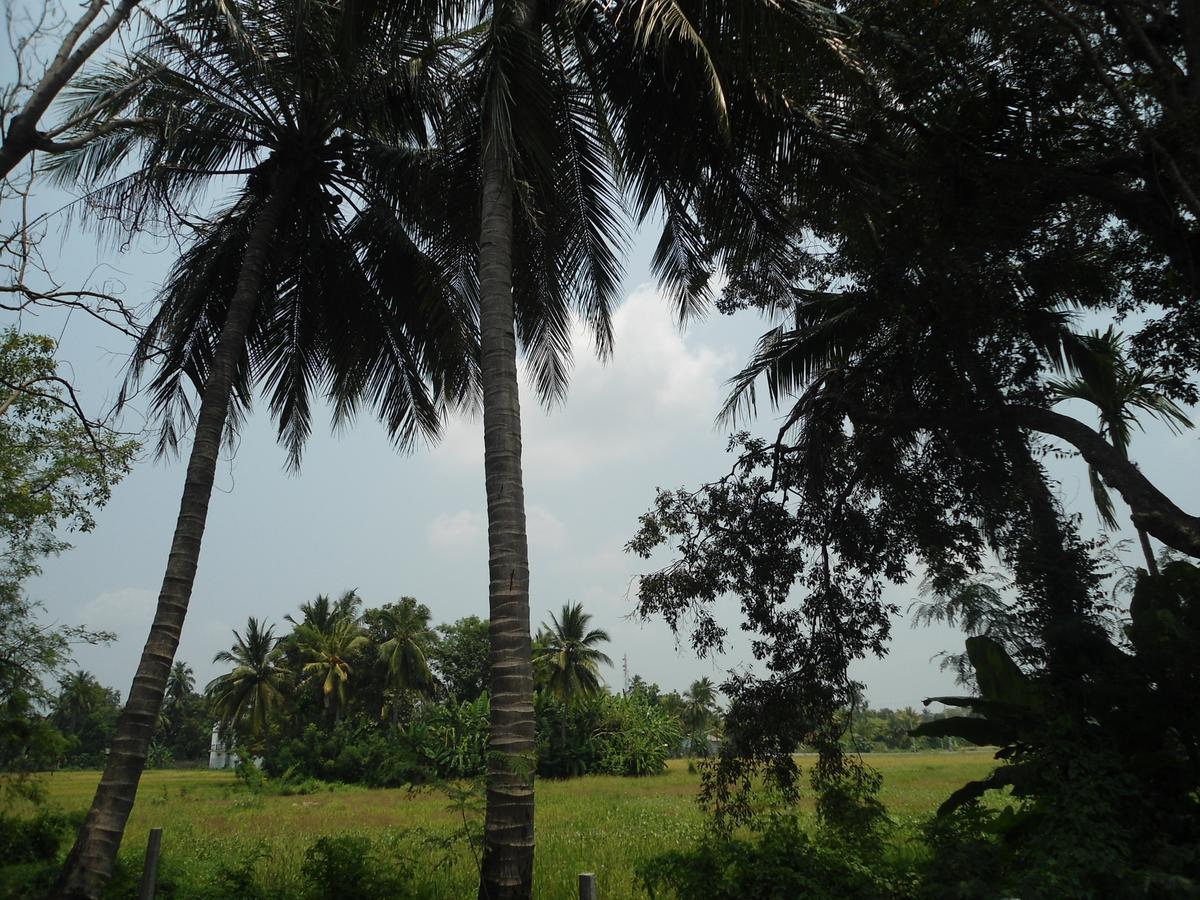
(150, 869)
(587, 886)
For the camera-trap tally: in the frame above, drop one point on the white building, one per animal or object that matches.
(220, 756)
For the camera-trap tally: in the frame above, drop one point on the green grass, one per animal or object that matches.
(600, 824)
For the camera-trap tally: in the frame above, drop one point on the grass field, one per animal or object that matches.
(601, 824)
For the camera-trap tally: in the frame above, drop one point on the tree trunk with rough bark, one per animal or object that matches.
(507, 868)
(90, 863)
(1152, 511)
(1148, 552)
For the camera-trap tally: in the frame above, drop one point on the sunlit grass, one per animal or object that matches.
(600, 824)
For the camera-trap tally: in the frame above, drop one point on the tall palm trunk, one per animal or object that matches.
(507, 868)
(90, 863)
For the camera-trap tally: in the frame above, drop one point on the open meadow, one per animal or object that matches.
(220, 837)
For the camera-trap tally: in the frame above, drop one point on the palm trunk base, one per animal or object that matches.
(508, 847)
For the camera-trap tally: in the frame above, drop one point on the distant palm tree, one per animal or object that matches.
(1119, 391)
(567, 654)
(700, 704)
(79, 695)
(181, 682)
(405, 629)
(637, 685)
(321, 614)
(255, 686)
(566, 659)
(328, 654)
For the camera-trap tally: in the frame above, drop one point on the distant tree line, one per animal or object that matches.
(382, 696)
(877, 730)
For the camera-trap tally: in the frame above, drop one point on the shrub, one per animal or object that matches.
(781, 862)
(36, 839)
(566, 742)
(636, 738)
(29, 849)
(160, 756)
(604, 734)
(444, 741)
(348, 866)
(351, 751)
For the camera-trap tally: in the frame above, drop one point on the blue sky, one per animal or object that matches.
(361, 516)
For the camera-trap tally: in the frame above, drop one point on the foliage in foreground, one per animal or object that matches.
(1104, 768)
(849, 852)
(379, 867)
(782, 860)
(30, 848)
(1096, 794)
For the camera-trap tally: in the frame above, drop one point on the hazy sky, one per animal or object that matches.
(361, 516)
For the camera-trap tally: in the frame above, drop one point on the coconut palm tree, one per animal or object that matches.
(254, 688)
(582, 107)
(328, 655)
(1119, 391)
(404, 627)
(321, 614)
(79, 696)
(700, 704)
(567, 660)
(181, 682)
(567, 654)
(308, 122)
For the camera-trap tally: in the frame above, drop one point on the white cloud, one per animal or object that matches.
(121, 610)
(452, 531)
(546, 530)
(657, 390)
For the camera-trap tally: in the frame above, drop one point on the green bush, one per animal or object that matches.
(29, 851)
(35, 839)
(348, 866)
(443, 742)
(352, 751)
(603, 735)
(160, 756)
(636, 738)
(780, 863)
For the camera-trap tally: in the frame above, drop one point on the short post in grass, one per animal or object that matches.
(150, 870)
(587, 886)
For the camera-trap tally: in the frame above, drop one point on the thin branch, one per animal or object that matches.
(22, 135)
(90, 427)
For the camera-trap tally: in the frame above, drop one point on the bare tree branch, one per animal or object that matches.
(22, 136)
